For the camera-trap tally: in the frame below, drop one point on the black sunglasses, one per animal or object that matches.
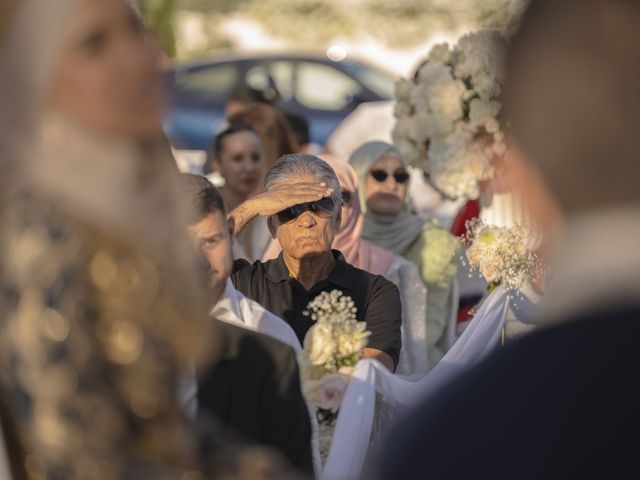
(323, 208)
(346, 197)
(381, 176)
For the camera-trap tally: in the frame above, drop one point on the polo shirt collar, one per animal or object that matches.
(341, 275)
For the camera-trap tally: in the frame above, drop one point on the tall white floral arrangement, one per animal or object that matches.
(447, 117)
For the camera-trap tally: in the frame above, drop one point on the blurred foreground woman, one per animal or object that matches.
(102, 307)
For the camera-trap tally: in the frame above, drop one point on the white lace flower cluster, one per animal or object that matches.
(447, 116)
(501, 254)
(331, 349)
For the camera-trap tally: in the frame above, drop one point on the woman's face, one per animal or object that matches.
(386, 185)
(241, 163)
(107, 76)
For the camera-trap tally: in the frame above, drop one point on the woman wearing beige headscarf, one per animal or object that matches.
(102, 307)
(383, 177)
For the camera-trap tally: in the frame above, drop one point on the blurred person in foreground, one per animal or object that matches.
(237, 155)
(561, 402)
(255, 387)
(302, 202)
(101, 290)
(388, 223)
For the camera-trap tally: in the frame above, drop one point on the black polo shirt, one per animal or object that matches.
(376, 298)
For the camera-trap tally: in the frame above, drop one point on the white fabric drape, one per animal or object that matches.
(353, 432)
(413, 295)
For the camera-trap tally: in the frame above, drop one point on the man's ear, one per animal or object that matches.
(271, 225)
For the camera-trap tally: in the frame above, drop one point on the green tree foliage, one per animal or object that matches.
(158, 15)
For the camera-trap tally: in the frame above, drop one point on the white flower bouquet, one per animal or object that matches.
(331, 349)
(447, 117)
(439, 256)
(502, 255)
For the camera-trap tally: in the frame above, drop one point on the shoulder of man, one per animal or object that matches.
(244, 271)
(267, 322)
(372, 282)
(248, 346)
(567, 385)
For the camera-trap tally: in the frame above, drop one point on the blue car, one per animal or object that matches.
(312, 86)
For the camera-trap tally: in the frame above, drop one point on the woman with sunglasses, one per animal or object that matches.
(383, 178)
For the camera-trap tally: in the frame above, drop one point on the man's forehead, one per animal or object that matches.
(212, 224)
(301, 178)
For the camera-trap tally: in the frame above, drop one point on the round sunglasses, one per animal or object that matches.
(324, 207)
(381, 176)
(346, 196)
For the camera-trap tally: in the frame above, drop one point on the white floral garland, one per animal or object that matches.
(453, 101)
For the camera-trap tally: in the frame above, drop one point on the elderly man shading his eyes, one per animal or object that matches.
(302, 205)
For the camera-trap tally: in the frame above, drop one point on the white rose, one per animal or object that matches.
(440, 53)
(403, 127)
(490, 270)
(417, 131)
(319, 343)
(437, 125)
(474, 63)
(486, 86)
(403, 89)
(492, 126)
(481, 111)
(402, 109)
(421, 104)
(434, 72)
(419, 96)
(459, 71)
(446, 99)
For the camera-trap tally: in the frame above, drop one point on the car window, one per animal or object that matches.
(379, 82)
(322, 87)
(278, 73)
(209, 83)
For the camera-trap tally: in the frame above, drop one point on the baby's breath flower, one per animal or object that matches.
(501, 255)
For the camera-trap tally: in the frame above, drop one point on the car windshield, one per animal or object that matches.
(379, 81)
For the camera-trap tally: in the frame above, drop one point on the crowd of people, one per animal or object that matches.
(151, 323)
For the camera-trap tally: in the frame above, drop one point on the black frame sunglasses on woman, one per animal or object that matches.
(381, 176)
(325, 207)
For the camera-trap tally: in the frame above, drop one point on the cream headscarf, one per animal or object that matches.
(395, 233)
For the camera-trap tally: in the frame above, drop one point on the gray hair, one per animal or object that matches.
(293, 165)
